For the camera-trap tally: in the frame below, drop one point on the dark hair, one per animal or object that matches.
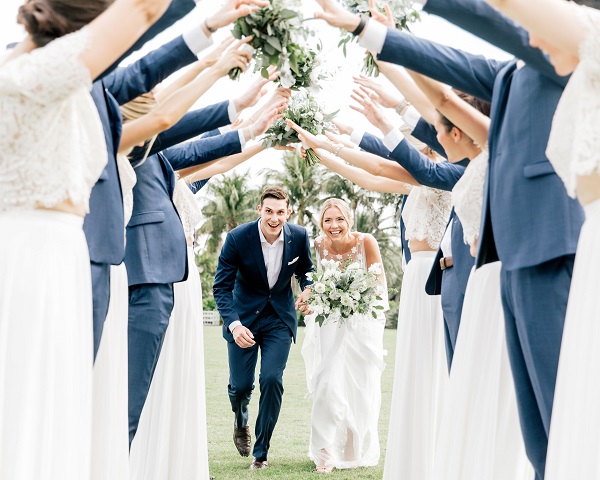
(476, 103)
(277, 193)
(589, 3)
(46, 20)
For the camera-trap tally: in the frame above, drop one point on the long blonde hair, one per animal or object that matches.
(137, 108)
(341, 206)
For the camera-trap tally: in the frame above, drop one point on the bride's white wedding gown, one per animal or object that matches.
(344, 362)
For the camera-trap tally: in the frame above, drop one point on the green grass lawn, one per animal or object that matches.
(288, 455)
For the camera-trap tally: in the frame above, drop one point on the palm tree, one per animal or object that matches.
(302, 182)
(232, 202)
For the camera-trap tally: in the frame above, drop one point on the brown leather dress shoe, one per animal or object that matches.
(242, 440)
(258, 464)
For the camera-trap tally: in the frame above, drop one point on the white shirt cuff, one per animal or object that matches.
(393, 139)
(357, 136)
(225, 129)
(411, 117)
(242, 139)
(234, 324)
(373, 36)
(421, 2)
(196, 40)
(232, 111)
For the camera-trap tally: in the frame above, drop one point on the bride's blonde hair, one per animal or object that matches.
(341, 206)
(137, 108)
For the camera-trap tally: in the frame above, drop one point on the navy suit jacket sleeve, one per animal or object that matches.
(442, 176)
(191, 125)
(224, 283)
(305, 264)
(372, 144)
(195, 187)
(203, 150)
(177, 10)
(426, 133)
(473, 74)
(140, 77)
(482, 20)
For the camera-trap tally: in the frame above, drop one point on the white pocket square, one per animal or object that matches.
(293, 261)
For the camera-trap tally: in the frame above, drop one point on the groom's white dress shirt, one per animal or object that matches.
(273, 256)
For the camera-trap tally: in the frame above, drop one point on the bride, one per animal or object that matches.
(344, 360)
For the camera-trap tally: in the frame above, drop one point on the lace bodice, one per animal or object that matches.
(573, 146)
(187, 207)
(467, 196)
(52, 145)
(128, 181)
(425, 215)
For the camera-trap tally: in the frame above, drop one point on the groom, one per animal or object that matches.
(253, 293)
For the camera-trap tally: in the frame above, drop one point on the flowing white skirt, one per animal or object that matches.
(171, 440)
(574, 445)
(480, 436)
(110, 433)
(344, 362)
(420, 376)
(46, 347)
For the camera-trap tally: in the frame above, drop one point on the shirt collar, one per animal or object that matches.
(264, 240)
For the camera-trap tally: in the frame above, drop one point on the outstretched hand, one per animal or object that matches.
(235, 57)
(216, 53)
(337, 16)
(256, 91)
(234, 9)
(387, 19)
(308, 139)
(377, 93)
(371, 110)
(267, 118)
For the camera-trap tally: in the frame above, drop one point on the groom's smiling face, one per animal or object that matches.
(273, 213)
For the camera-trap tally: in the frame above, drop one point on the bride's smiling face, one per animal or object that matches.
(334, 224)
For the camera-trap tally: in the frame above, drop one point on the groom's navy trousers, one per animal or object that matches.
(274, 338)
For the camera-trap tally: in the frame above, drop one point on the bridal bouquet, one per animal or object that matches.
(340, 291)
(278, 33)
(305, 111)
(403, 15)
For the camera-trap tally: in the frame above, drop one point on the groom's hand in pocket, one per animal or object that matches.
(243, 337)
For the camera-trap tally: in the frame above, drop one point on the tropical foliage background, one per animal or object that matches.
(231, 200)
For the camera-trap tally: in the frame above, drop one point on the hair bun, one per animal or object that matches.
(42, 22)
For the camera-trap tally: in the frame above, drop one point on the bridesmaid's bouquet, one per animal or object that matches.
(279, 34)
(340, 291)
(402, 13)
(306, 112)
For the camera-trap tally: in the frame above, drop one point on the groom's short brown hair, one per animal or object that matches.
(277, 193)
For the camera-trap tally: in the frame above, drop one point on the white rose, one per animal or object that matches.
(319, 117)
(319, 287)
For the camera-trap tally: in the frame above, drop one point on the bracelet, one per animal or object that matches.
(361, 26)
(401, 106)
(211, 30)
(337, 150)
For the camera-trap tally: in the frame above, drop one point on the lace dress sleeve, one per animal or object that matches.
(51, 73)
(574, 139)
(128, 180)
(187, 208)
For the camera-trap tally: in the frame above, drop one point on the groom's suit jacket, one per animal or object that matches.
(156, 249)
(241, 288)
(523, 193)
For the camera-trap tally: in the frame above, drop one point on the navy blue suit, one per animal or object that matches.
(372, 144)
(241, 290)
(103, 226)
(156, 256)
(529, 222)
(451, 283)
(426, 133)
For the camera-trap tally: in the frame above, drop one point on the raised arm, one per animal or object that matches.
(541, 18)
(471, 121)
(220, 165)
(172, 109)
(360, 177)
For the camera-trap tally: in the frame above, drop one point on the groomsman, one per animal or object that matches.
(525, 203)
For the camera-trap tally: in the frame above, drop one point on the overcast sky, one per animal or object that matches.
(335, 93)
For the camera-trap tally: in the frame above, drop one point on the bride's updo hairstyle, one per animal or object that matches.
(341, 206)
(46, 20)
